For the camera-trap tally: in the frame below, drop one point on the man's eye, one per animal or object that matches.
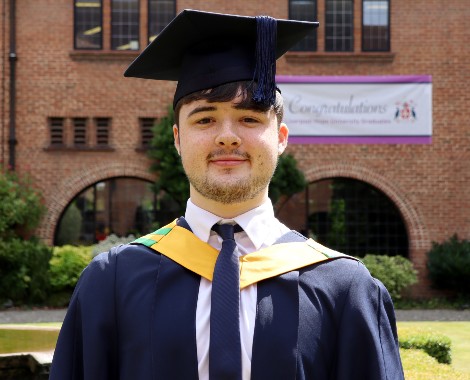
(250, 120)
(205, 120)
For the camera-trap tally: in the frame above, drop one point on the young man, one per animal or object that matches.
(271, 304)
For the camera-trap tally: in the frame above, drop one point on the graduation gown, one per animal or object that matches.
(132, 316)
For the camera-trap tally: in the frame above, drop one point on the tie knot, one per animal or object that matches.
(226, 231)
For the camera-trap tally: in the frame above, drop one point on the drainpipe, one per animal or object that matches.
(12, 58)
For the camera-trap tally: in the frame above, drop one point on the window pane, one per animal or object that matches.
(122, 206)
(88, 28)
(339, 25)
(355, 218)
(125, 24)
(375, 25)
(161, 12)
(304, 10)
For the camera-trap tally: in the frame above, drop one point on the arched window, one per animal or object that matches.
(349, 216)
(122, 206)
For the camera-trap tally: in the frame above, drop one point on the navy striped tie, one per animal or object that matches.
(225, 349)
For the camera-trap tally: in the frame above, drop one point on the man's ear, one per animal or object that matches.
(176, 137)
(283, 135)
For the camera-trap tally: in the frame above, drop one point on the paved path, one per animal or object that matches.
(57, 315)
(32, 316)
(433, 315)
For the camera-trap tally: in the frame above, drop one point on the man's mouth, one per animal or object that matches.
(228, 159)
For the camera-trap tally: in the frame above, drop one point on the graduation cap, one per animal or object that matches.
(202, 50)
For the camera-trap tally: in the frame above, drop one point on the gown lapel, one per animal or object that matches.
(174, 311)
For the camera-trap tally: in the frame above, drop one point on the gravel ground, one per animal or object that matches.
(57, 315)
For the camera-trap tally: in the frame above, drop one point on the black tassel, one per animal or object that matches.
(264, 91)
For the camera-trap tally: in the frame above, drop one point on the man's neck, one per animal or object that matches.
(230, 210)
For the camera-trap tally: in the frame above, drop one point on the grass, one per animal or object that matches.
(23, 338)
(458, 332)
(420, 366)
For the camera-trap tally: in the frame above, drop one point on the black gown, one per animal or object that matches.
(132, 316)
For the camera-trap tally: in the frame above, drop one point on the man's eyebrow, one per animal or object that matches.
(202, 109)
(248, 108)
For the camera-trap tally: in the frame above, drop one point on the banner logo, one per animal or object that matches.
(405, 111)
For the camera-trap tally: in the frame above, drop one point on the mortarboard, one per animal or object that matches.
(202, 50)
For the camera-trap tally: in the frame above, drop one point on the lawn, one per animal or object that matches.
(458, 332)
(32, 337)
(417, 364)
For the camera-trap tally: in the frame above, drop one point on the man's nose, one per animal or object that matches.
(227, 136)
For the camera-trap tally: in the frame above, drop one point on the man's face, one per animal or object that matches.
(229, 154)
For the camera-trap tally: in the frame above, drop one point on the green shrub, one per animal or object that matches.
(20, 206)
(24, 271)
(66, 265)
(449, 265)
(434, 344)
(110, 242)
(396, 272)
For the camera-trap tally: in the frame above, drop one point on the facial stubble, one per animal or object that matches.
(231, 193)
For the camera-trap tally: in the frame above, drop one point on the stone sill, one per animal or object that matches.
(129, 55)
(103, 55)
(78, 149)
(380, 57)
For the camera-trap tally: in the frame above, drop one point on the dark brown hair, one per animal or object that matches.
(229, 91)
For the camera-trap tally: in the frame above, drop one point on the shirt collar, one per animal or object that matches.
(256, 223)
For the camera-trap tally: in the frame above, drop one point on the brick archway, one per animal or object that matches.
(418, 235)
(75, 184)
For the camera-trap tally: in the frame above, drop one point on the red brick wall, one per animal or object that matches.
(428, 183)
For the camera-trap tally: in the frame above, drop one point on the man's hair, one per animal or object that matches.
(229, 91)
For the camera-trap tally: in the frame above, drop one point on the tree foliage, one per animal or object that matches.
(287, 180)
(20, 206)
(166, 162)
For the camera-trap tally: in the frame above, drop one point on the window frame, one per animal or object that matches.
(99, 124)
(149, 14)
(299, 46)
(388, 48)
(146, 125)
(80, 132)
(75, 28)
(139, 21)
(343, 39)
(56, 125)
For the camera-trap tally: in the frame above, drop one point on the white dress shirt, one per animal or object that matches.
(260, 230)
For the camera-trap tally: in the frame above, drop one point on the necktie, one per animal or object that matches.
(224, 346)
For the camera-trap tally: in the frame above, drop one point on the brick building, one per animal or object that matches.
(73, 122)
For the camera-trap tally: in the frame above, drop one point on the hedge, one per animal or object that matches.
(434, 344)
(24, 271)
(66, 265)
(449, 265)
